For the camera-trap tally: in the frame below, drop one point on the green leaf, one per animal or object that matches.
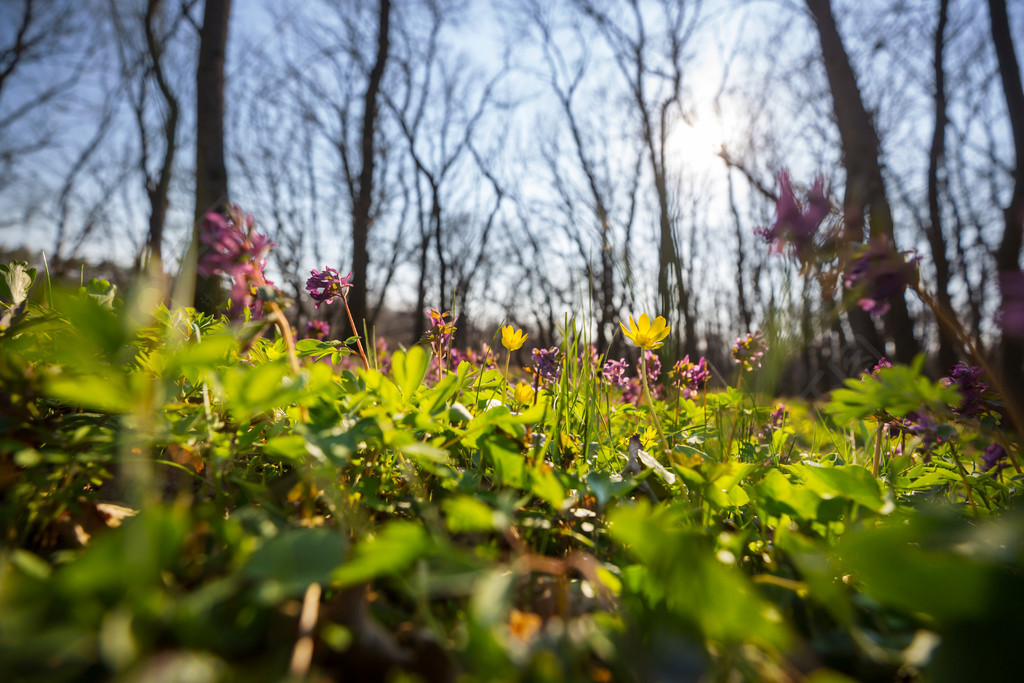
(395, 548)
(607, 487)
(466, 514)
(508, 460)
(408, 370)
(108, 393)
(546, 486)
(848, 481)
(287, 563)
(16, 279)
(897, 390)
(779, 496)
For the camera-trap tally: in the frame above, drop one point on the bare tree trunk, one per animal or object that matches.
(1008, 253)
(363, 201)
(158, 189)
(865, 187)
(211, 172)
(936, 239)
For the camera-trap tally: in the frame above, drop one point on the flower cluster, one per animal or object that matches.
(547, 364)
(749, 350)
(775, 421)
(317, 329)
(966, 379)
(615, 372)
(879, 275)
(589, 357)
(994, 456)
(485, 358)
(324, 287)
(882, 363)
(795, 225)
(442, 328)
(690, 377)
(634, 390)
(235, 249)
(924, 426)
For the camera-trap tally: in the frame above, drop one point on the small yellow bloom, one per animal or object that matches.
(645, 334)
(511, 338)
(523, 394)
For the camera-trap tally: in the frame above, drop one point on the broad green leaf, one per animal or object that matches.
(848, 481)
(779, 496)
(408, 370)
(16, 279)
(507, 457)
(546, 486)
(287, 563)
(393, 549)
(466, 514)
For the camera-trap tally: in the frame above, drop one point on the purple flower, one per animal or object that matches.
(966, 379)
(317, 329)
(634, 389)
(442, 328)
(653, 366)
(775, 420)
(325, 287)
(1011, 313)
(993, 455)
(880, 274)
(547, 363)
(486, 358)
(235, 249)
(795, 225)
(689, 377)
(882, 363)
(923, 425)
(589, 356)
(615, 372)
(749, 350)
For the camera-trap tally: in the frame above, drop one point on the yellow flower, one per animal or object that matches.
(523, 394)
(511, 338)
(644, 334)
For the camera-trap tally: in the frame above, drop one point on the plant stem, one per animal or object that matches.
(359, 344)
(289, 344)
(877, 462)
(650, 401)
(286, 332)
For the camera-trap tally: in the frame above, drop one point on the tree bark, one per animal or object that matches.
(157, 190)
(1008, 253)
(363, 202)
(211, 171)
(865, 186)
(936, 238)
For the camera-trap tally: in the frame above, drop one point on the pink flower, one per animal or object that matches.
(235, 249)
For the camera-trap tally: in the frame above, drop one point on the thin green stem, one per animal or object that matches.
(650, 402)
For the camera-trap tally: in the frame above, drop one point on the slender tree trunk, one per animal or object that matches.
(363, 202)
(1008, 253)
(157, 190)
(936, 239)
(211, 171)
(865, 187)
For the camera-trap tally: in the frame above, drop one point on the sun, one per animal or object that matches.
(694, 143)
